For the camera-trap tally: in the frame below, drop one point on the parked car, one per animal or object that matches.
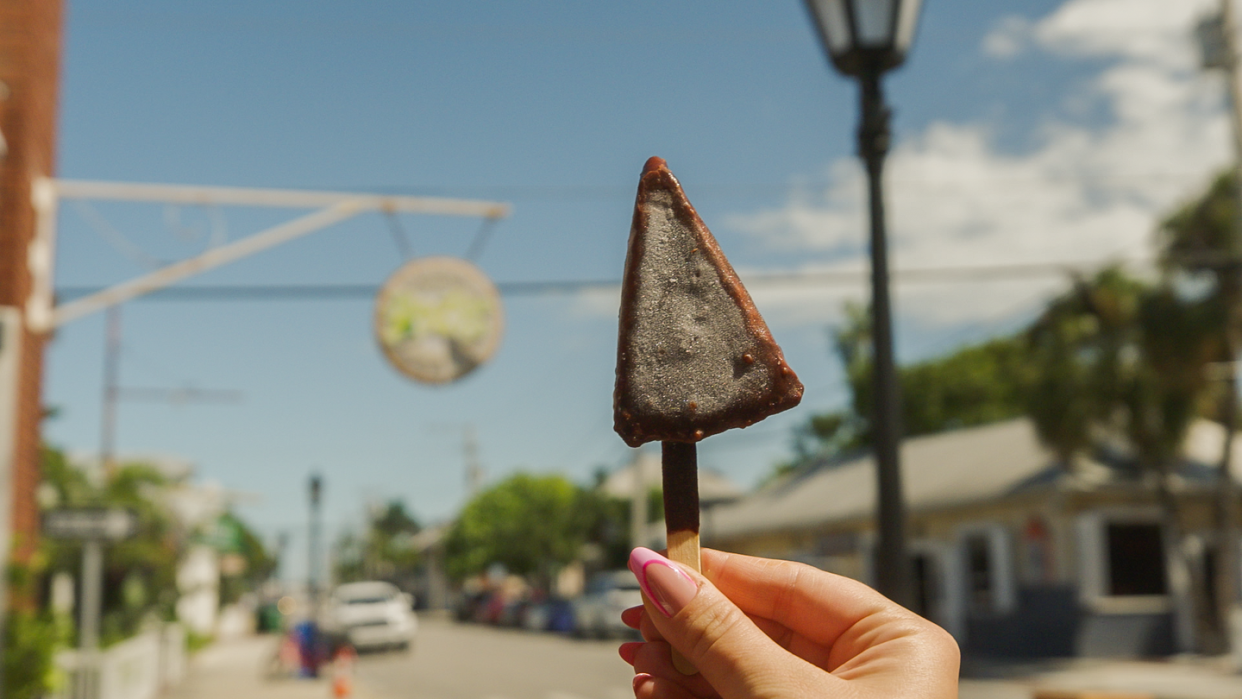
(598, 611)
(553, 614)
(371, 615)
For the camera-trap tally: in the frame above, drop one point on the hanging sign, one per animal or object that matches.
(438, 318)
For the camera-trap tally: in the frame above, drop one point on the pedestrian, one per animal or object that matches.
(763, 629)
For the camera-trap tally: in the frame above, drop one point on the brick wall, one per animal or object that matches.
(30, 32)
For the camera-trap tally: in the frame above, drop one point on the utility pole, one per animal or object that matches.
(112, 369)
(113, 393)
(29, 86)
(474, 468)
(643, 480)
(473, 474)
(1218, 43)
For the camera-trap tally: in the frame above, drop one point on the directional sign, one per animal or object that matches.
(93, 523)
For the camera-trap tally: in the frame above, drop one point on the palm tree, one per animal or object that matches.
(1116, 359)
(1202, 242)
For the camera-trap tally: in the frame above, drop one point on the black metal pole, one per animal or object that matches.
(892, 565)
(312, 564)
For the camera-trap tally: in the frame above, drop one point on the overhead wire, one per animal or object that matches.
(843, 278)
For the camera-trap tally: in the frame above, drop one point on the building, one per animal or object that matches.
(636, 480)
(1013, 553)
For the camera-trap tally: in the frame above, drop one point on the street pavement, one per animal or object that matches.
(241, 668)
(461, 661)
(466, 661)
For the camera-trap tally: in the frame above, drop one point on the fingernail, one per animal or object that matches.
(628, 651)
(639, 680)
(667, 586)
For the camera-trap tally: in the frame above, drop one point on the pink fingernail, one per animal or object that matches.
(639, 680)
(667, 586)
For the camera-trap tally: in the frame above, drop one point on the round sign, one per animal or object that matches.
(438, 318)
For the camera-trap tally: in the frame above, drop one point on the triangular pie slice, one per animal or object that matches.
(694, 357)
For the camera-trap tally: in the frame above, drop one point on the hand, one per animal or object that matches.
(764, 629)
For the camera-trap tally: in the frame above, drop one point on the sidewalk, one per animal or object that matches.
(235, 669)
(1177, 678)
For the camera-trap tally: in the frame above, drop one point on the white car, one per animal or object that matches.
(598, 611)
(371, 615)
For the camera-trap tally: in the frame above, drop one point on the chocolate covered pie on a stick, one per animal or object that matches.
(694, 357)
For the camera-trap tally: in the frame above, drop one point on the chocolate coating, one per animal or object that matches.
(681, 487)
(694, 357)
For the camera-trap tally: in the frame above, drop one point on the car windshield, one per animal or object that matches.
(604, 583)
(367, 600)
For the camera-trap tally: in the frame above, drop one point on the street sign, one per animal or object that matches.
(89, 524)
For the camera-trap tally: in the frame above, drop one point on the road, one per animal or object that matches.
(468, 661)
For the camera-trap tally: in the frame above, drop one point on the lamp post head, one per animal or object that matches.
(316, 489)
(862, 36)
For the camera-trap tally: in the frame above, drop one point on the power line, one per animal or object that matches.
(841, 278)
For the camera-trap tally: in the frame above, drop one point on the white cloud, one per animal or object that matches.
(1084, 192)
(1011, 37)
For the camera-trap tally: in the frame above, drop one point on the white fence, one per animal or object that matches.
(138, 668)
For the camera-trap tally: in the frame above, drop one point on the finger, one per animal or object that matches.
(649, 687)
(730, 650)
(857, 625)
(648, 629)
(632, 617)
(814, 653)
(656, 659)
(806, 600)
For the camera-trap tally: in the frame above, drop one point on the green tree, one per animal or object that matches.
(530, 524)
(1122, 361)
(385, 550)
(139, 572)
(257, 563)
(1078, 350)
(1200, 245)
(973, 385)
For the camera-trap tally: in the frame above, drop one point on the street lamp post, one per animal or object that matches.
(314, 556)
(864, 39)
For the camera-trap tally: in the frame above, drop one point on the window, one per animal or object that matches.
(979, 565)
(1135, 559)
(984, 578)
(1121, 561)
(926, 592)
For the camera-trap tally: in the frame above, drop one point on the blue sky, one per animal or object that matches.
(1025, 131)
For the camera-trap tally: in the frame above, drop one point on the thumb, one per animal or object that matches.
(732, 653)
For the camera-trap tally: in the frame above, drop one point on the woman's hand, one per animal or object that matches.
(765, 629)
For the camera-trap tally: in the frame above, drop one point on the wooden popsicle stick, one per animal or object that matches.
(681, 515)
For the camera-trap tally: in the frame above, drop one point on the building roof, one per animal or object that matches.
(943, 470)
(938, 470)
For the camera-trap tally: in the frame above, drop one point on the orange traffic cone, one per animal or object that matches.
(343, 672)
